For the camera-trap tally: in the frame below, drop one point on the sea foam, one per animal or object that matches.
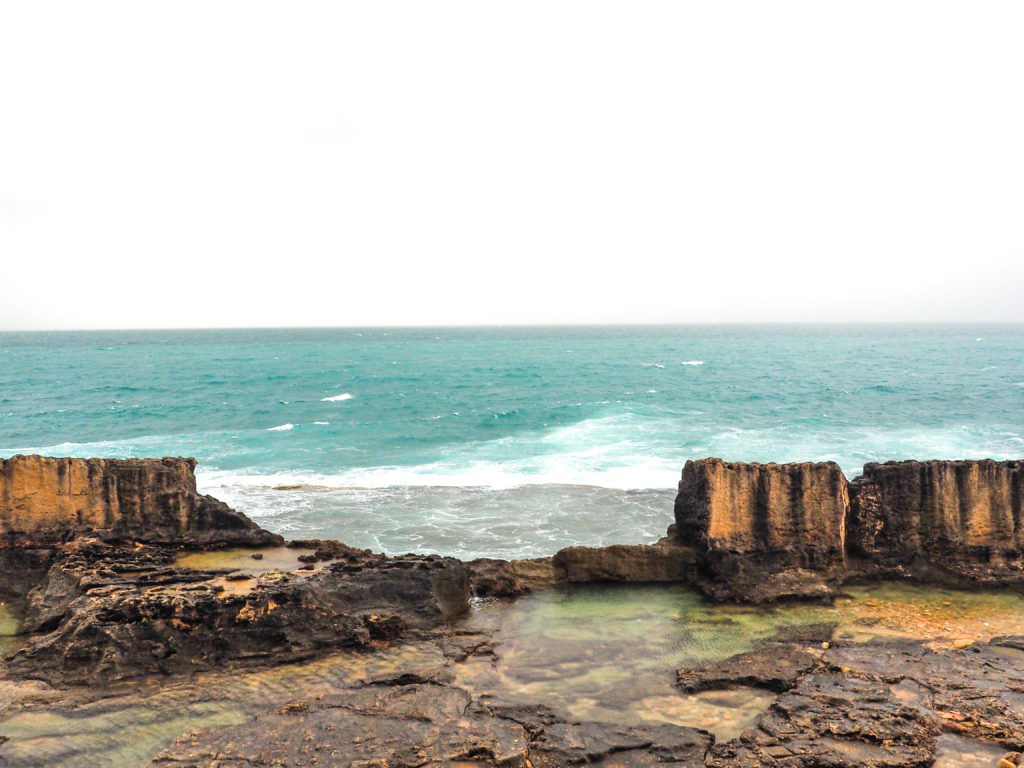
(337, 398)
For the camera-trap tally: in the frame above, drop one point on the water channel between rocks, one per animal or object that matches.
(600, 652)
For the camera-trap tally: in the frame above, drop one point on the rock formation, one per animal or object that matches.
(111, 613)
(764, 531)
(964, 519)
(48, 501)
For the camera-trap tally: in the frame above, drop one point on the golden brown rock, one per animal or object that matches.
(961, 517)
(764, 531)
(46, 501)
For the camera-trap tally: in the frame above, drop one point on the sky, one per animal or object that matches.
(224, 164)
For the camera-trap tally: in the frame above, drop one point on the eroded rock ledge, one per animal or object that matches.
(91, 548)
(49, 501)
(765, 532)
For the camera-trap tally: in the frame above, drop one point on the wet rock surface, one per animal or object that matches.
(117, 628)
(876, 704)
(106, 613)
(775, 670)
(848, 705)
(427, 724)
(836, 703)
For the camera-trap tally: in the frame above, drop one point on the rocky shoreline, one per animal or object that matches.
(103, 567)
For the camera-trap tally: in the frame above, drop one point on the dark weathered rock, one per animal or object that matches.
(940, 520)
(328, 549)
(776, 667)
(764, 531)
(49, 501)
(412, 725)
(666, 561)
(116, 613)
(977, 692)
(636, 563)
(428, 725)
(833, 720)
(20, 570)
(491, 577)
(560, 744)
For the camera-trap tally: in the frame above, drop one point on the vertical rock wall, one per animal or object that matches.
(764, 531)
(772, 531)
(951, 513)
(47, 501)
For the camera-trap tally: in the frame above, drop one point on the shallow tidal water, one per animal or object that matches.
(597, 652)
(8, 626)
(608, 653)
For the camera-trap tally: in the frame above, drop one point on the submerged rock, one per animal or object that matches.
(429, 725)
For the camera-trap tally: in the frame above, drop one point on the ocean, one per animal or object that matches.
(504, 442)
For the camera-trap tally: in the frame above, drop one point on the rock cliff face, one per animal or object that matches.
(48, 501)
(962, 517)
(764, 531)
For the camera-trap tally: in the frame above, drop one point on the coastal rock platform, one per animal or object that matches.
(159, 627)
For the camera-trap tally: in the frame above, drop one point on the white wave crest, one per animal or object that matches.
(337, 398)
(692, 362)
(281, 428)
(482, 474)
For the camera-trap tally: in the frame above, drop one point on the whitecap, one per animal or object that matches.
(322, 423)
(337, 398)
(281, 428)
(692, 362)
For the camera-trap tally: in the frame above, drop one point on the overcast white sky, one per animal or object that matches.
(248, 164)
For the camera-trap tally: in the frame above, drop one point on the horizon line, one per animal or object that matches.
(451, 326)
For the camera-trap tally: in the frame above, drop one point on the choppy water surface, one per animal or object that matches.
(603, 652)
(505, 442)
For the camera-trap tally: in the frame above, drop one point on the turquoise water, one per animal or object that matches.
(505, 442)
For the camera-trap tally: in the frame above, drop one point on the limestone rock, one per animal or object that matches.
(963, 520)
(114, 613)
(764, 531)
(636, 563)
(492, 577)
(48, 501)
